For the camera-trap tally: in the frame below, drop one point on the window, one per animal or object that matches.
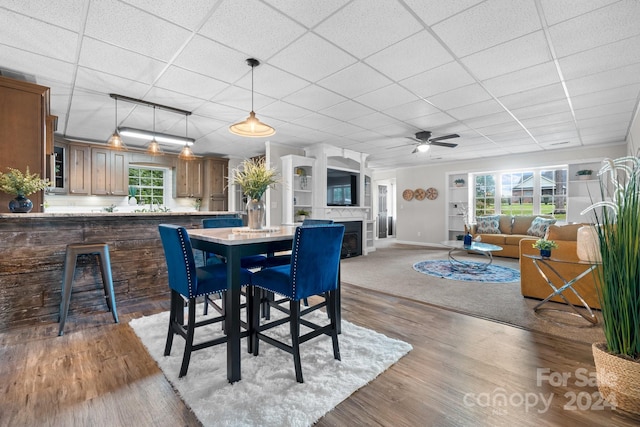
(148, 185)
(485, 195)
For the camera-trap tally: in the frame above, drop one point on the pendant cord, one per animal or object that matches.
(252, 67)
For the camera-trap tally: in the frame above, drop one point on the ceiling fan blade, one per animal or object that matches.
(443, 144)
(441, 138)
(398, 146)
(415, 150)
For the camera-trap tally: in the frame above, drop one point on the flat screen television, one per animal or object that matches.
(342, 187)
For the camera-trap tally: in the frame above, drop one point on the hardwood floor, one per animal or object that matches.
(99, 373)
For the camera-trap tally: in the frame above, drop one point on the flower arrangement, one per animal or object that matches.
(22, 184)
(254, 176)
(545, 245)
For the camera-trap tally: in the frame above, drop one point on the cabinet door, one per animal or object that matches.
(79, 169)
(100, 177)
(189, 181)
(218, 171)
(119, 173)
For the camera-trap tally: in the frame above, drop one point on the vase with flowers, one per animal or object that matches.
(21, 185)
(255, 177)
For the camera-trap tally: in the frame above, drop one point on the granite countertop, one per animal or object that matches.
(30, 216)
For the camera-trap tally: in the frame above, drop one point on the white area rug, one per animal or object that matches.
(268, 394)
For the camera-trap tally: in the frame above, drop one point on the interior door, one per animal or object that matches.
(382, 211)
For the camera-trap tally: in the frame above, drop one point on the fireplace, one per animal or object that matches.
(352, 241)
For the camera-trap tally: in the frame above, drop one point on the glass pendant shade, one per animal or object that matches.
(154, 148)
(186, 153)
(115, 141)
(252, 127)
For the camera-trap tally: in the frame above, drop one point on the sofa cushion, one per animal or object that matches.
(514, 239)
(563, 232)
(493, 239)
(489, 224)
(506, 222)
(521, 223)
(539, 226)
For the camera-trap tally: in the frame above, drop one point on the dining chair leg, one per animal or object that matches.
(188, 346)
(172, 321)
(256, 297)
(294, 324)
(332, 308)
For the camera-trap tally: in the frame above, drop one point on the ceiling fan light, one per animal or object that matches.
(423, 148)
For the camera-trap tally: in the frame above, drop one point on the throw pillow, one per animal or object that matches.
(488, 224)
(539, 226)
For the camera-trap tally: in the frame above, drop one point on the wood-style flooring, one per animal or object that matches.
(462, 371)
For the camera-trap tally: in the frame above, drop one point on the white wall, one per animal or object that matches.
(423, 222)
(633, 140)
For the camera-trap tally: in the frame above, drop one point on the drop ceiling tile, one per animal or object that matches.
(556, 137)
(110, 59)
(30, 63)
(23, 32)
(431, 121)
(522, 80)
(311, 58)
(189, 17)
(347, 110)
(398, 129)
(625, 106)
(460, 97)
(67, 14)
(538, 95)
(606, 25)
(364, 27)
(433, 11)
(368, 137)
(411, 56)
(308, 13)
(611, 119)
(488, 120)
(553, 107)
(488, 24)
(318, 122)
(221, 112)
(355, 80)
(548, 120)
(373, 121)
(438, 80)
(173, 99)
(190, 83)
(605, 80)
(314, 98)
(242, 99)
(213, 59)
(284, 109)
(251, 27)
(495, 129)
(91, 116)
(557, 11)
(411, 110)
(272, 82)
(387, 97)
(134, 29)
(96, 81)
(513, 55)
(478, 109)
(200, 126)
(607, 57)
(606, 96)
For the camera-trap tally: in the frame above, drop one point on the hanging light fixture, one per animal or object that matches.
(186, 153)
(154, 148)
(252, 127)
(115, 142)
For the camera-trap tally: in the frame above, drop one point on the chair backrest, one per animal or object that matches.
(315, 259)
(221, 222)
(178, 253)
(311, 221)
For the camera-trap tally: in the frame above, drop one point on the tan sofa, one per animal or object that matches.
(534, 286)
(512, 230)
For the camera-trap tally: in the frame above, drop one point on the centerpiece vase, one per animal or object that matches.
(255, 213)
(20, 204)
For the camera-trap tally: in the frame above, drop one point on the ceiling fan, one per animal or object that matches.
(424, 141)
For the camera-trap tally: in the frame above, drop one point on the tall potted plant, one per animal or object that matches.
(618, 227)
(21, 185)
(255, 177)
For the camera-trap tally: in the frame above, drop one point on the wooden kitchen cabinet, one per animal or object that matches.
(79, 169)
(24, 108)
(189, 178)
(109, 172)
(217, 171)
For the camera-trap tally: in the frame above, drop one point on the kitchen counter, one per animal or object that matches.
(32, 260)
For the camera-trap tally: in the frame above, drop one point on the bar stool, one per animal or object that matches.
(73, 251)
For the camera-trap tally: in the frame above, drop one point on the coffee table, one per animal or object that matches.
(485, 249)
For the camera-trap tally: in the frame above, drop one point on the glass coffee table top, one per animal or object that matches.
(458, 264)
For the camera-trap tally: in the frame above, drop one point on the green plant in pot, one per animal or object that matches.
(21, 185)
(255, 177)
(545, 246)
(618, 228)
(584, 173)
(301, 214)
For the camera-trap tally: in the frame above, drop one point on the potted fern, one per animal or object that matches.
(617, 360)
(21, 185)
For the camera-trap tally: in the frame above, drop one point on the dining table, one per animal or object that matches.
(232, 244)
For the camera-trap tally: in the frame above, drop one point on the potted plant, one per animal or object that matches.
(545, 246)
(617, 360)
(584, 173)
(132, 195)
(255, 177)
(21, 185)
(459, 182)
(301, 214)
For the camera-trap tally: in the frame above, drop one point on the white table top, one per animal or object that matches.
(242, 235)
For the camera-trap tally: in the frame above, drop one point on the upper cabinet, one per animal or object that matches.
(79, 167)
(216, 172)
(189, 178)
(109, 172)
(24, 108)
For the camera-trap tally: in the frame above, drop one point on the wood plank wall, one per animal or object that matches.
(32, 252)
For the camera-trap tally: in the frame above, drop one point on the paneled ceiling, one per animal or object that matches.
(508, 76)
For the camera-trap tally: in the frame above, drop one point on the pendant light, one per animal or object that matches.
(252, 127)
(154, 148)
(186, 153)
(115, 142)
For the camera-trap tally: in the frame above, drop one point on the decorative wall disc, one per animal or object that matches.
(407, 194)
(432, 193)
(420, 194)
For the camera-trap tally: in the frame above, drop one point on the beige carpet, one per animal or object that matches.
(390, 269)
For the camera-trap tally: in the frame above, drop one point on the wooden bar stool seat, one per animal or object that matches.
(101, 250)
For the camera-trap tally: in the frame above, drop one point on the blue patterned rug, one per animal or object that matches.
(493, 273)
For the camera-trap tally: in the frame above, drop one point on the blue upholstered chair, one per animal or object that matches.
(190, 282)
(313, 271)
(286, 258)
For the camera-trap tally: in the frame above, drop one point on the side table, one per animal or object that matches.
(566, 284)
